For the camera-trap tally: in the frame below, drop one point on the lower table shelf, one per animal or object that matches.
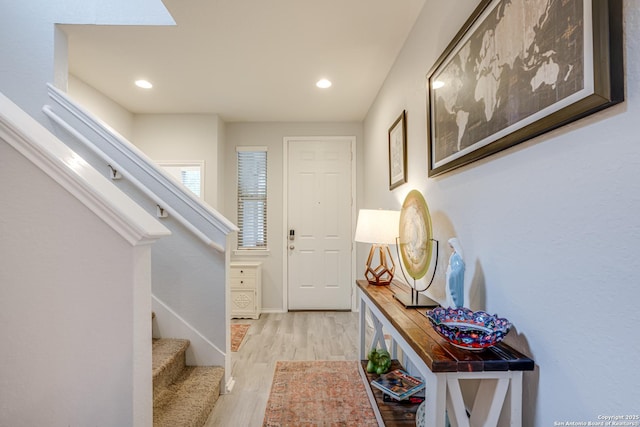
(389, 414)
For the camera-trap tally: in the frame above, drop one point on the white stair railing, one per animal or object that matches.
(189, 280)
(117, 169)
(170, 194)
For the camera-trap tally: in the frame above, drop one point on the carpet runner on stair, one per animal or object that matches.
(182, 395)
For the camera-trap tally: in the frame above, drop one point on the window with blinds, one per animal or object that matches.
(252, 198)
(191, 180)
(190, 174)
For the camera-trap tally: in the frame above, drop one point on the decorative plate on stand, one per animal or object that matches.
(415, 235)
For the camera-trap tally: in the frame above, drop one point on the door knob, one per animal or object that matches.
(292, 247)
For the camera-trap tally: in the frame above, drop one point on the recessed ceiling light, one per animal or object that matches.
(143, 84)
(323, 83)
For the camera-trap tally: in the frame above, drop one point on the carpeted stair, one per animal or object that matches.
(183, 396)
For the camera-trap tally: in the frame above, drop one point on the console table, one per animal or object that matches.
(441, 366)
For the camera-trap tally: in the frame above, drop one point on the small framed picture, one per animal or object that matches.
(398, 152)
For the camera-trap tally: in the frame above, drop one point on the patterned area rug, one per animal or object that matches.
(318, 393)
(238, 331)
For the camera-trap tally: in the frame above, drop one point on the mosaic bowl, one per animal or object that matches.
(467, 329)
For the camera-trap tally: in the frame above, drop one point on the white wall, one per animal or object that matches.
(110, 112)
(182, 137)
(549, 228)
(67, 308)
(33, 51)
(271, 135)
(219, 169)
(164, 137)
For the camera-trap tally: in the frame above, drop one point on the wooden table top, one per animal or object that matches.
(438, 354)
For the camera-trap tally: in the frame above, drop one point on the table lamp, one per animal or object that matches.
(380, 228)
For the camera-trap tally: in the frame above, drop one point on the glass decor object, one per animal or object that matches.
(467, 329)
(455, 275)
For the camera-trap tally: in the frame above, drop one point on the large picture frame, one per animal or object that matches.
(398, 151)
(517, 69)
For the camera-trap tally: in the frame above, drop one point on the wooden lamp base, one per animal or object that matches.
(383, 273)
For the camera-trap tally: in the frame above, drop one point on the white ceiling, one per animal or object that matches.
(249, 60)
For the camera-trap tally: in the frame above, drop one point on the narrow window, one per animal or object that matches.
(191, 180)
(190, 174)
(252, 198)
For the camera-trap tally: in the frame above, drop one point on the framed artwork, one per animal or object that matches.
(398, 152)
(518, 69)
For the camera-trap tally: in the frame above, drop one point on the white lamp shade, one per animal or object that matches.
(377, 226)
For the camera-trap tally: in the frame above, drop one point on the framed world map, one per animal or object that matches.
(518, 69)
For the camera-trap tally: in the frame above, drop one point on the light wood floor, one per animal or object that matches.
(273, 337)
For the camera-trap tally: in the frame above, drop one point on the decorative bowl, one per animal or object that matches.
(467, 329)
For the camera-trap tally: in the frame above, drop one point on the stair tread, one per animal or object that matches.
(165, 349)
(168, 361)
(189, 400)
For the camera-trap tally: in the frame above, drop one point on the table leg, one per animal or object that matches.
(455, 404)
(378, 336)
(436, 398)
(489, 401)
(515, 398)
(363, 328)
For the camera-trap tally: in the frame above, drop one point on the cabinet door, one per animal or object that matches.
(243, 302)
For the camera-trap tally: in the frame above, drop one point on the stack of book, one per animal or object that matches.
(398, 384)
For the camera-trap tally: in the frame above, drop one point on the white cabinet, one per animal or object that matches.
(246, 289)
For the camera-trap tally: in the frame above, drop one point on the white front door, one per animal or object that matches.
(319, 218)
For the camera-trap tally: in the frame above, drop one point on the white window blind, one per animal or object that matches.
(191, 180)
(190, 174)
(252, 198)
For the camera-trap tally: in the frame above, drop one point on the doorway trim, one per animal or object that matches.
(285, 209)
